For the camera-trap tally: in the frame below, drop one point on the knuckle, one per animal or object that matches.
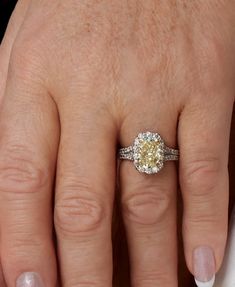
(211, 50)
(205, 218)
(20, 173)
(211, 56)
(25, 65)
(206, 223)
(148, 206)
(154, 278)
(74, 282)
(16, 250)
(200, 176)
(78, 210)
(21, 243)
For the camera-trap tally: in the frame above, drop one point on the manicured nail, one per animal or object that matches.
(204, 266)
(29, 279)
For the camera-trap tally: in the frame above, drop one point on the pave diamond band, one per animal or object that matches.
(128, 153)
(149, 153)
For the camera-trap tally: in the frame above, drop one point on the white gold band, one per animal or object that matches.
(169, 153)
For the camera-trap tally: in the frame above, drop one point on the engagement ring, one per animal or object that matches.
(148, 153)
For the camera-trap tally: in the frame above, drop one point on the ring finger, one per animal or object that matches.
(149, 207)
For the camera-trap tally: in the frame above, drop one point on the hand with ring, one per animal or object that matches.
(87, 84)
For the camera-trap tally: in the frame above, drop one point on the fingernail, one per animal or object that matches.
(204, 266)
(29, 279)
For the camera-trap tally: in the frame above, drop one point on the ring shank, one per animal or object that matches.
(170, 154)
(128, 153)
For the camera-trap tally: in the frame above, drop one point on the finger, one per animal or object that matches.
(8, 40)
(5, 51)
(204, 138)
(84, 195)
(28, 141)
(149, 208)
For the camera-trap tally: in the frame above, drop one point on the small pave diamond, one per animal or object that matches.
(148, 152)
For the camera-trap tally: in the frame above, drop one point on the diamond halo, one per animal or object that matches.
(148, 152)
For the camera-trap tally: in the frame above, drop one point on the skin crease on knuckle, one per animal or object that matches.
(147, 207)
(19, 173)
(72, 205)
(136, 34)
(200, 176)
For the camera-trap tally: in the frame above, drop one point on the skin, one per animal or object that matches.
(80, 78)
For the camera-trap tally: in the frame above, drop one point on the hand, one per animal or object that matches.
(83, 76)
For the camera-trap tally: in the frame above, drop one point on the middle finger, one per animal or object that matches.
(84, 196)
